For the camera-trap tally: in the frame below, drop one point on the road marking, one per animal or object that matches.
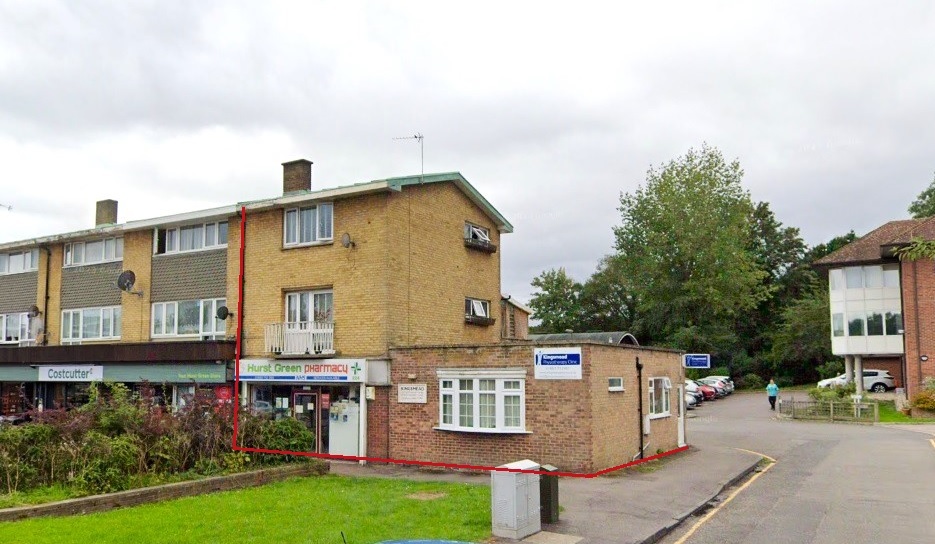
(933, 442)
(737, 491)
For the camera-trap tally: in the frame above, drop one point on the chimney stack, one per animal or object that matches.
(296, 176)
(106, 213)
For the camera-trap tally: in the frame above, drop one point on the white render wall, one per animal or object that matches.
(851, 301)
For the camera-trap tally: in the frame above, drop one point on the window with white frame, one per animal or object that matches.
(836, 279)
(475, 232)
(854, 277)
(482, 401)
(308, 225)
(891, 275)
(195, 318)
(200, 236)
(475, 307)
(856, 324)
(659, 397)
(14, 328)
(97, 251)
(837, 324)
(19, 261)
(310, 306)
(91, 324)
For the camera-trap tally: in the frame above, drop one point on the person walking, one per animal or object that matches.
(772, 391)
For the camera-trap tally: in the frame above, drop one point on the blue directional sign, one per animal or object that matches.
(696, 360)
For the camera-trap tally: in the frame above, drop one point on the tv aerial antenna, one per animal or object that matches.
(417, 136)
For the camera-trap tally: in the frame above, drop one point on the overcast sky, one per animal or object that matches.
(550, 112)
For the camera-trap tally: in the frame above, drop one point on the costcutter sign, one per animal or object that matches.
(558, 363)
(71, 373)
(320, 370)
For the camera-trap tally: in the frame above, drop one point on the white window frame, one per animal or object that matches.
(293, 307)
(24, 332)
(476, 307)
(615, 384)
(321, 233)
(113, 315)
(29, 258)
(112, 245)
(214, 329)
(507, 383)
(173, 238)
(665, 385)
(476, 232)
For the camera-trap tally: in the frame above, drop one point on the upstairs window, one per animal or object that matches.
(98, 251)
(477, 237)
(188, 318)
(308, 225)
(91, 324)
(477, 311)
(837, 324)
(196, 237)
(309, 307)
(14, 328)
(20, 261)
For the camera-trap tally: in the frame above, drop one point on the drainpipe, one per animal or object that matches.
(639, 379)
(902, 329)
(45, 309)
(915, 291)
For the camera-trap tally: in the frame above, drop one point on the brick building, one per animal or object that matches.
(882, 309)
(338, 295)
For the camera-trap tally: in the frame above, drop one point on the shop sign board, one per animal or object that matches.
(412, 393)
(558, 363)
(82, 373)
(696, 360)
(319, 370)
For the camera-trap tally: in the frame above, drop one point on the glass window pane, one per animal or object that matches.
(118, 327)
(207, 316)
(110, 249)
(91, 323)
(873, 276)
(106, 321)
(511, 384)
(186, 239)
(158, 310)
(34, 259)
(170, 318)
(118, 253)
(78, 250)
(5, 261)
(211, 234)
(875, 324)
(172, 240)
(325, 221)
(487, 409)
(75, 325)
(837, 324)
(11, 329)
(66, 324)
(466, 409)
(855, 325)
(222, 233)
(324, 305)
(219, 324)
(511, 411)
(466, 385)
(891, 276)
(447, 409)
(854, 277)
(446, 384)
(189, 316)
(17, 262)
(291, 226)
(659, 395)
(94, 251)
(292, 308)
(304, 309)
(479, 308)
(307, 225)
(894, 323)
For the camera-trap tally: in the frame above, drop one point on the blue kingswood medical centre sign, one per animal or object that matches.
(558, 363)
(696, 360)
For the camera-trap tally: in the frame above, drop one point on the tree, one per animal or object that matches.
(683, 243)
(556, 303)
(802, 341)
(606, 300)
(924, 204)
(829, 247)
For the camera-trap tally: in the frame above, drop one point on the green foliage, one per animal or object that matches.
(924, 204)
(753, 382)
(802, 339)
(110, 463)
(682, 243)
(606, 302)
(556, 304)
(924, 399)
(830, 369)
(917, 249)
(835, 393)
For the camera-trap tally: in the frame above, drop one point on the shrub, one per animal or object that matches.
(109, 463)
(785, 381)
(835, 393)
(753, 381)
(830, 369)
(924, 399)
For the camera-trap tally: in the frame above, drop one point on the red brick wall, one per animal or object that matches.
(576, 425)
(378, 423)
(918, 284)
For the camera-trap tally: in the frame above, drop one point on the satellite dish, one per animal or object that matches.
(34, 311)
(223, 313)
(346, 240)
(125, 282)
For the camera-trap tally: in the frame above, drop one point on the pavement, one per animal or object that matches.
(628, 506)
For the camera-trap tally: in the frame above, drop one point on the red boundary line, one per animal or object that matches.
(237, 354)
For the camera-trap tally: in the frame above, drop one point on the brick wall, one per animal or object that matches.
(918, 283)
(576, 425)
(53, 315)
(136, 313)
(893, 364)
(378, 423)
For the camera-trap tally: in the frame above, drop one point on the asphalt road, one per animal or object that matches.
(831, 483)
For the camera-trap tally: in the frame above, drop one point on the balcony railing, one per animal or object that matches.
(302, 338)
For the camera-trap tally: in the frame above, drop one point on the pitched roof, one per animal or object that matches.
(871, 247)
(617, 337)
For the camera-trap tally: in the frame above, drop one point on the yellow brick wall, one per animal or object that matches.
(138, 257)
(53, 313)
(432, 271)
(357, 275)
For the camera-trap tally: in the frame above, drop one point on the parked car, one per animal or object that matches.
(878, 381)
(727, 381)
(692, 389)
(690, 401)
(710, 393)
(718, 385)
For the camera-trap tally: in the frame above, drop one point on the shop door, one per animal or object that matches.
(305, 409)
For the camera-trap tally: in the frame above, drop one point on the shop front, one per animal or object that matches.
(52, 386)
(325, 394)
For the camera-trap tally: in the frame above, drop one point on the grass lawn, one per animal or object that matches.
(301, 510)
(889, 414)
